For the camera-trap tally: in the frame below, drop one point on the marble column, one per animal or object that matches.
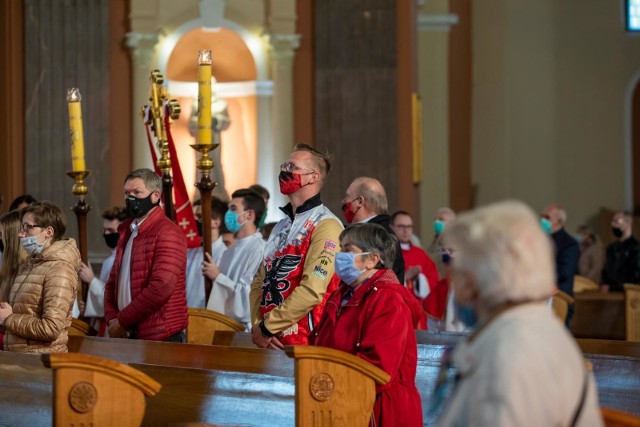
(143, 49)
(283, 48)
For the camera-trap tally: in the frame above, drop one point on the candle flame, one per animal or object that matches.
(73, 95)
(204, 57)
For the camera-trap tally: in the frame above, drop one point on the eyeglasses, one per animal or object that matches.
(448, 251)
(26, 227)
(292, 167)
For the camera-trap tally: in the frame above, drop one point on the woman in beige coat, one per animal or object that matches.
(37, 314)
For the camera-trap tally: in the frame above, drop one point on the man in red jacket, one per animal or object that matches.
(145, 295)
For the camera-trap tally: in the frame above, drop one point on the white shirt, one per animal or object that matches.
(124, 280)
(194, 276)
(95, 297)
(238, 266)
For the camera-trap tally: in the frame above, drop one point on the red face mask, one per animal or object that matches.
(346, 211)
(289, 182)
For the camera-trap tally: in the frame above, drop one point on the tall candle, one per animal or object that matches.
(75, 125)
(204, 97)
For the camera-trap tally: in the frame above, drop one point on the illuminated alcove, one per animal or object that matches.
(234, 70)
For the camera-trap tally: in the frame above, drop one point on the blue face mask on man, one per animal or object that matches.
(546, 225)
(231, 221)
(346, 267)
(438, 226)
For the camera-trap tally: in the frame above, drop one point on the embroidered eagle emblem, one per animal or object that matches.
(275, 281)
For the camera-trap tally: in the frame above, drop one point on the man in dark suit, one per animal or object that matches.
(566, 249)
(366, 201)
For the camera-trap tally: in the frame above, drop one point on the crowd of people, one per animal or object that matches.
(361, 284)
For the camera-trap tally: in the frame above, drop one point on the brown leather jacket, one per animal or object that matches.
(42, 298)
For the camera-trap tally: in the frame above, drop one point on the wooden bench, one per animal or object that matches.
(599, 316)
(91, 390)
(246, 386)
(191, 395)
(204, 323)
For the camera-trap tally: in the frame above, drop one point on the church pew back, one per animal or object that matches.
(225, 385)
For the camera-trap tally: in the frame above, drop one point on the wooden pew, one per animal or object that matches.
(632, 311)
(204, 323)
(211, 384)
(91, 390)
(599, 316)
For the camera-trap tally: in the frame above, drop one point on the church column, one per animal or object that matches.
(434, 24)
(283, 48)
(142, 47)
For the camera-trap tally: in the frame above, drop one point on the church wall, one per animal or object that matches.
(550, 81)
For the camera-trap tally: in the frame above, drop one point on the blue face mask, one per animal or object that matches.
(346, 268)
(231, 221)
(30, 244)
(579, 237)
(438, 226)
(546, 225)
(466, 313)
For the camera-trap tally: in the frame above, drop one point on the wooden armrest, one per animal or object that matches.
(337, 356)
(106, 366)
(78, 327)
(218, 317)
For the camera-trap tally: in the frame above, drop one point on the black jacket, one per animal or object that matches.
(622, 264)
(567, 255)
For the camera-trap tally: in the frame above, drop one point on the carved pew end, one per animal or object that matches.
(333, 387)
(204, 323)
(91, 390)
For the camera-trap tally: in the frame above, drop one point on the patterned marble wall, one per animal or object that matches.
(67, 45)
(355, 66)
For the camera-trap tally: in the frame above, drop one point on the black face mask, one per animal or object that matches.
(199, 227)
(111, 239)
(1, 246)
(616, 232)
(138, 207)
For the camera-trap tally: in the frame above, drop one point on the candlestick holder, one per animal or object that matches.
(81, 208)
(204, 165)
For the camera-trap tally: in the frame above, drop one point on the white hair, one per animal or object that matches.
(502, 247)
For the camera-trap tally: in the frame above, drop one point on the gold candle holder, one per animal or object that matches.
(81, 208)
(79, 188)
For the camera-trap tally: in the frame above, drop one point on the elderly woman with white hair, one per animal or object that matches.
(520, 366)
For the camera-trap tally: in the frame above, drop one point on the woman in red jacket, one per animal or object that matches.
(373, 316)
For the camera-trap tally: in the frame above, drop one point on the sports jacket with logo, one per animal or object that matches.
(296, 275)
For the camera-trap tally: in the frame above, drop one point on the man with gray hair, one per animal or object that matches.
(145, 294)
(566, 249)
(503, 272)
(366, 201)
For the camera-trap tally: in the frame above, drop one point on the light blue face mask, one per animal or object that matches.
(346, 267)
(438, 226)
(579, 237)
(466, 313)
(231, 221)
(30, 244)
(546, 225)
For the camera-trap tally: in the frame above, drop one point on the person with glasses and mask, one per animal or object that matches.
(622, 264)
(373, 316)
(233, 275)
(94, 306)
(296, 274)
(145, 295)
(37, 314)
